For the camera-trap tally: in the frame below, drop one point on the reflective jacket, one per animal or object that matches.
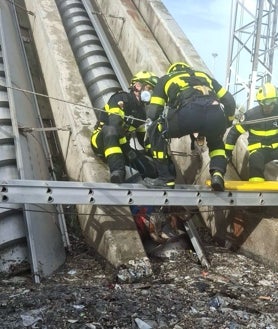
(188, 84)
(260, 135)
(125, 112)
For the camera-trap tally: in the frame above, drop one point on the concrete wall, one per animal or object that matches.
(111, 236)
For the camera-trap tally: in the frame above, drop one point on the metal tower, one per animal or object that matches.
(252, 48)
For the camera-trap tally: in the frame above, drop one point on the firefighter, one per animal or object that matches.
(262, 135)
(125, 115)
(196, 103)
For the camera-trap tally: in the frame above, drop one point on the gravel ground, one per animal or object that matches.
(234, 293)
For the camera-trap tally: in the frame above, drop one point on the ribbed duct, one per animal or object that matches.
(27, 236)
(94, 66)
(13, 248)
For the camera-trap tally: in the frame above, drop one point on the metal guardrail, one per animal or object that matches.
(108, 194)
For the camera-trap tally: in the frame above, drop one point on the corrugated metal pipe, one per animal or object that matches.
(94, 66)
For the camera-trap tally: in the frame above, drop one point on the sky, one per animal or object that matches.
(206, 24)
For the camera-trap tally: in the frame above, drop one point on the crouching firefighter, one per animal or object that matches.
(124, 116)
(196, 103)
(262, 131)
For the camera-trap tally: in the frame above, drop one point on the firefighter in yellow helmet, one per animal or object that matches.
(125, 115)
(197, 103)
(262, 135)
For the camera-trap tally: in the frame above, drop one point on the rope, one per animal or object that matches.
(102, 110)
(69, 102)
(67, 128)
(28, 130)
(249, 122)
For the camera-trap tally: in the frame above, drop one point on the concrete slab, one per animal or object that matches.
(254, 232)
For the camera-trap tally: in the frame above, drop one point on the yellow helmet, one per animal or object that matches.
(267, 94)
(146, 77)
(178, 66)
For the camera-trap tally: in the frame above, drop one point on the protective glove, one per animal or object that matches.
(148, 123)
(129, 120)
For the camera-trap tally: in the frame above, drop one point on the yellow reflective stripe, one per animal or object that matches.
(205, 76)
(98, 128)
(231, 117)
(240, 129)
(254, 146)
(147, 146)
(117, 111)
(183, 84)
(229, 147)
(112, 150)
(123, 140)
(221, 92)
(141, 129)
(94, 137)
(157, 100)
(218, 152)
(178, 81)
(271, 132)
(159, 127)
(159, 155)
(131, 128)
(217, 173)
(256, 179)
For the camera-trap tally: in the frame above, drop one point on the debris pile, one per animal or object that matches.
(234, 293)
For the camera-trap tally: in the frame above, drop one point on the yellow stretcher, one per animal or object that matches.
(249, 186)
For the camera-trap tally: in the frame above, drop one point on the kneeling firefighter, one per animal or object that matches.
(124, 116)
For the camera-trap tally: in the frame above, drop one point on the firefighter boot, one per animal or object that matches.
(165, 178)
(217, 181)
(116, 165)
(142, 163)
(117, 176)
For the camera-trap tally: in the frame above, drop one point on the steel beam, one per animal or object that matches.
(64, 192)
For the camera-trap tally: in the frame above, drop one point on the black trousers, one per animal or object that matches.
(106, 143)
(202, 115)
(258, 159)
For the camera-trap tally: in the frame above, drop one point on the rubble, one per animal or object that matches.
(234, 293)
